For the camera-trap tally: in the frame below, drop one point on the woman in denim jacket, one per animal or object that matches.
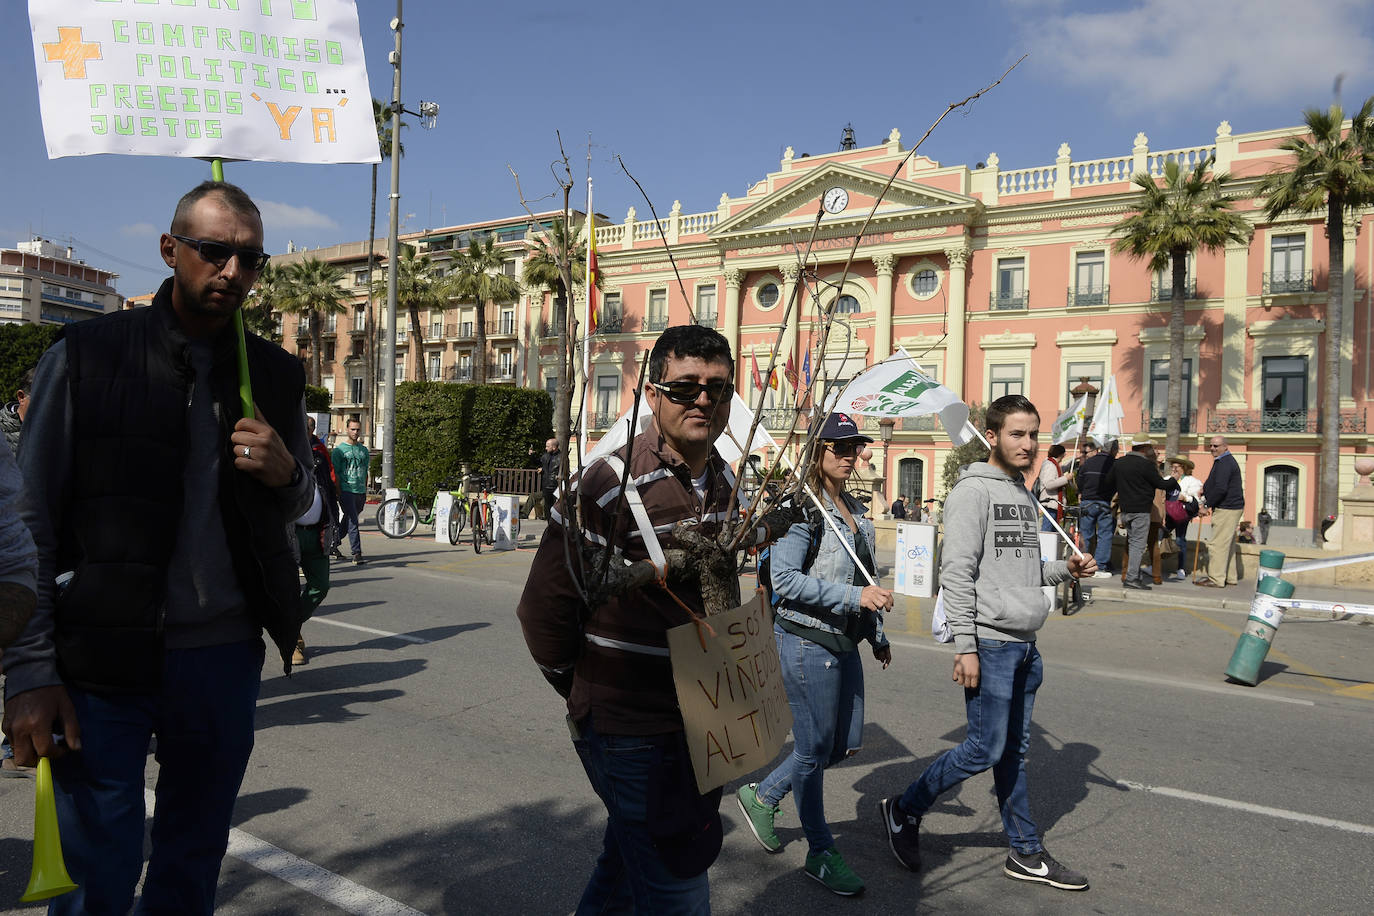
(825, 611)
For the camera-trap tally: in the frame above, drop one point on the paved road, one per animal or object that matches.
(438, 776)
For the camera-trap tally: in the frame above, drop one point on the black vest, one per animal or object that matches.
(130, 375)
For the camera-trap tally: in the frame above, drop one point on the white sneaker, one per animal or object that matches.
(1180, 575)
(1101, 574)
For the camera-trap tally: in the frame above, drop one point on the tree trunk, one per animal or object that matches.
(417, 341)
(316, 362)
(1174, 406)
(1328, 486)
(479, 372)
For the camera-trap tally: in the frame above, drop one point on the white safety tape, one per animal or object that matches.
(1308, 565)
(1334, 607)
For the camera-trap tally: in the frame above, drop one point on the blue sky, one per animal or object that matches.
(703, 98)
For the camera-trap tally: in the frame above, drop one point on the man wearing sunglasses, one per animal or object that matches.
(161, 517)
(611, 661)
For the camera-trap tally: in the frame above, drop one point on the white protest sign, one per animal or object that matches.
(730, 691)
(274, 80)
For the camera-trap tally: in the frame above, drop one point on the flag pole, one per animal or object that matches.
(587, 317)
(245, 384)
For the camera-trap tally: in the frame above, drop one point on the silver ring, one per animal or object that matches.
(247, 451)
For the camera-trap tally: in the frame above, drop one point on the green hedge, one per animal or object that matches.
(441, 425)
(20, 347)
(317, 398)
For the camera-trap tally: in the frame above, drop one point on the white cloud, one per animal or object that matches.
(139, 230)
(278, 216)
(1152, 54)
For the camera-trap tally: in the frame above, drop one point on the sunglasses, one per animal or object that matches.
(844, 449)
(218, 253)
(685, 392)
(1213, 445)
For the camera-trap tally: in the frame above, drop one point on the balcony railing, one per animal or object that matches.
(602, 419)
(923, 424)
(465, 330)
(778, 419)
(1164, 292)
(1019, 300)
(458, 373)
(655, 322)
(1296, 281)
(610, 324)
(1297, 420)
(707, 320)
(502, 327)
(1087, 295)
(1158, 423)
(500, 370)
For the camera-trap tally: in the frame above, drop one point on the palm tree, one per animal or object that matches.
(543, 271)
(418, 286)
(1333, 170)
(479, 278)
(313, 290)
(381, 119)
(1190, 211)
(267, 297)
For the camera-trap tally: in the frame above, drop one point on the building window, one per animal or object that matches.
(607, 400)
(925, 283)
(327, 383)
(1159, 395)
(436, 325)
(551, 386)
(435, 365)
(657, 317)
(910, 474)
(356, 386)
(1006, 379)
(505, 362)
(360, 277)
(1284, 380)
(1286, 273)
(1162, 281)
(359, 318)
(706, 305)
(1075, 372)
(611, 317)
(1281, 495)
(1090, 278)
(767, 295)
(847, 305)
(508, 268)
(463, 371)
(1011, 284)
(507, 325)
(329, 351)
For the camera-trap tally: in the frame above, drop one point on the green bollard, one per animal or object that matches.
(1263, 623)
(1270, 564)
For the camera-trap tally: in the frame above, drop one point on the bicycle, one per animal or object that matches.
(399, 516)
(1071, 597)
(481, 514)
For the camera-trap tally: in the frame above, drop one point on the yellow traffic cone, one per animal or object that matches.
(49, 877)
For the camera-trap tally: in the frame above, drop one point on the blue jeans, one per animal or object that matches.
(999, 724)
(826, 693)
(203, 719)
(352, 504)
(1096, 521)
(630, 875)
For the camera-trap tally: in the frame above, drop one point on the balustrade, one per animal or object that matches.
(1019, 300)
(1088, 295)
(1164, 292)
(1294, 281)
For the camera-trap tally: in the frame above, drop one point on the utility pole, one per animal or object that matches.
(388, 368)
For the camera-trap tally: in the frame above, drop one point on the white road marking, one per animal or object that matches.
(309, 877)
(353, 626)
(1281, 813)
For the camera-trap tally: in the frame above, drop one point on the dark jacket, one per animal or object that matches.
(1134, 478)
(1223, 488)
(1091, 477)
(548, 471)
(129, 377)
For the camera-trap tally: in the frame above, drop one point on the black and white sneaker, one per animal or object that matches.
(1043, 868)
(902, 833)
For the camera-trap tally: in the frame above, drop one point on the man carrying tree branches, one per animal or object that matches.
(611, 661)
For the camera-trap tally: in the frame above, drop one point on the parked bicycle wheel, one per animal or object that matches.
(475, 518)
(489, 526)
(397, 518)
(457, 519)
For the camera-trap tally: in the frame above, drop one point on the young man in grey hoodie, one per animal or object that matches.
(992, 575)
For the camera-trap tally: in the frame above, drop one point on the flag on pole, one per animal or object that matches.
(790, 372)
(1070, 422)
(773, 379)
(593, 312)
(758, 379)
(1107, 417)
(806, 368)
(897, 387)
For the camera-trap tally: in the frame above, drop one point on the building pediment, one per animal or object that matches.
(791, 210)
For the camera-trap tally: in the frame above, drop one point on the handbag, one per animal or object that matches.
(939, 623)
(1176, 511)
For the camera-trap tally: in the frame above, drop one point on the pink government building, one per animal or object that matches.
(997, 281)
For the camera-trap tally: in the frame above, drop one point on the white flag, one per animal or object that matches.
(1107, 417)
(897, 387)
(1070, 422)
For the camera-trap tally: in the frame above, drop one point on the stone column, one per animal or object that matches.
(791, 272)
(882, 327)
(733, 278)
(958, 312)
(1352, 235)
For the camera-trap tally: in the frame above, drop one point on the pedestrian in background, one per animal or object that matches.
(1135, 478)
(1051, 484)
(1224, 494)
(316, 536)
(548, 475)
(1182, 508)
(1095, 506)
(993, 578)
(899, 507)
(825, 609)
(351, 462)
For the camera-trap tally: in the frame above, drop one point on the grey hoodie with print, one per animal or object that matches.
(990, 566)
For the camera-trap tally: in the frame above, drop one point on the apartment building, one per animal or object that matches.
(42, 282)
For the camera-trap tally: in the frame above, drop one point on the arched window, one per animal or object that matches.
(1281, 494)
(910, 473)
(847, 305)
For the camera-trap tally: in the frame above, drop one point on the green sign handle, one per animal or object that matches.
(245, 384)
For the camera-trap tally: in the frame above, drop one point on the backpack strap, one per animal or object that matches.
(641, 517)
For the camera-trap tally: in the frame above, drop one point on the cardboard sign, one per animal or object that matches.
(733, 702)
(275, 80)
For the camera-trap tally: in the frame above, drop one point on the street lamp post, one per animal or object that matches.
(885, 426)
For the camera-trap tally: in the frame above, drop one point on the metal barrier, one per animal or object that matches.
(515, 481)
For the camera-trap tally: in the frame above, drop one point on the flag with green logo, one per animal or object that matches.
(896, 388)
(1070, 422)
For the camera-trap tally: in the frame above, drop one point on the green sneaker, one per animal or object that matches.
(828, 868)
(758, 816)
